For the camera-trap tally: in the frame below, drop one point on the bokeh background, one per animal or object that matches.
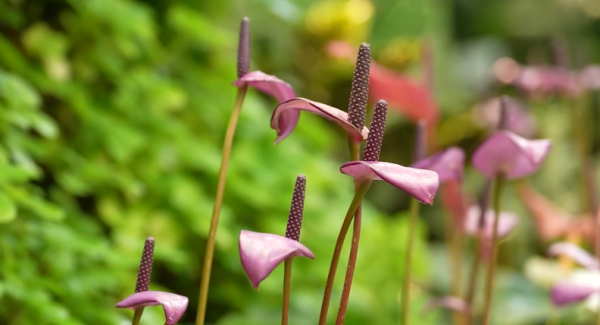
(112, 117)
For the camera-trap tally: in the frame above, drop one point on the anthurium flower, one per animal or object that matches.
(268, 84)
(173, 305)
(261, 253)
(566, 293)
(552, 222)
(506, 223)
(452, 303)
(576, 253)
(420, 183)
(286, 115)
(510, 155)
(518, 119)
(448, 164)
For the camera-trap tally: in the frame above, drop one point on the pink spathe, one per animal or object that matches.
(173, 305)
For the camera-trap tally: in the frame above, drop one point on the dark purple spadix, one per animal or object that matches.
(243, 66)
(373, 146)
(295, 217)
(145, 270)
(420, 150)
(360, 87)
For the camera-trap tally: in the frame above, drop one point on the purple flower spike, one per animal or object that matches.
(448, 164)
(510, 155)
(294, 223)
(261, 253)
(244, 48)
(568, 293)
(285, 117)
(576, 253)
(452, 303)
(420, 183)
(506, 224)
(268, 84)
(173, 305)
(145, 269)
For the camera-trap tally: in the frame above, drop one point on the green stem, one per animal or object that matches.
(287, 280)
(214, 222)
(414, 213)
(137, 315)
(489, 283)
(362, 189)
(457, 243)
(473, 275)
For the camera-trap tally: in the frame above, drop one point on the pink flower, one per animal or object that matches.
(261, 253)
(510, 155)
(448, 164)
(173, 305)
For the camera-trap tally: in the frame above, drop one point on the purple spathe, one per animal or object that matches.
(173, 305)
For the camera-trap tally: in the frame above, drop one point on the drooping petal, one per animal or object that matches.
(420, 183)
(565, 293)
(518, 119)
(285, 126)
(576, 253)
(506, 223)
(510, 155)
(452, 303)
(448, 164)
(173, 305)
(268, 84)
(261, 253)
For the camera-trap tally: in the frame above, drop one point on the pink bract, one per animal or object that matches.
(448, 164)
(510, 155)
(420, 183)
(173, 305)
(261, 253)
(506, 223)
(285, 117)
(268, 84)
(576, 253)
(567, 293)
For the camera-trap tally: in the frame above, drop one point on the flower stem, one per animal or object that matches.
(414, 213)
(457, 243)
(137, 315)
(362, 189)
(351, 266)
(489, 283)
(214, 222)
(287, 280)
(473, 275)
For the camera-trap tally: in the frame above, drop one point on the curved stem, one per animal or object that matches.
(214, 222)
(137, 315)
(489, 283)
(414, 213)
(287, 280)
(362, 189)
(351, 267)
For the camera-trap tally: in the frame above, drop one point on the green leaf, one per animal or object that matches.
(8, 209)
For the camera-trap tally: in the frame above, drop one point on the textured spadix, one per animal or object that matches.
(173, 305)
(357, 107)
(294, 223)
(260, 253)
(510, 155)
(448, 164)
(290, 111)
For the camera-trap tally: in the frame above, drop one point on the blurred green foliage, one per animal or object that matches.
(112, 115)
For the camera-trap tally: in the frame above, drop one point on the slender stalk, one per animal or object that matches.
(137, 315)
(489, 284)
(351, 266)
(214, 222)
(598, 253)
(473, 275)
(362, 189)
(457, 243)
(414, 213)
(287, 280)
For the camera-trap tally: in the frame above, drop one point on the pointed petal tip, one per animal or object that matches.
(174, 305)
